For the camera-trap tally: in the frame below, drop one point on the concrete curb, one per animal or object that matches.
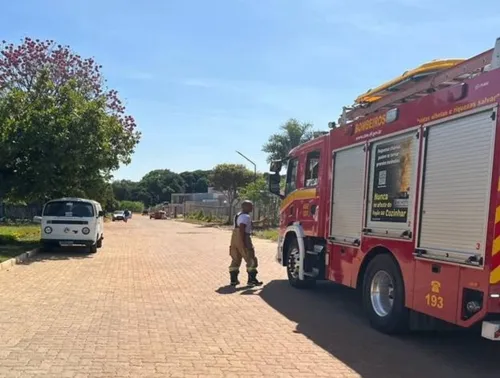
(18, 259)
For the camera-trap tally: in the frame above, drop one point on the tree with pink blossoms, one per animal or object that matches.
(62, 131)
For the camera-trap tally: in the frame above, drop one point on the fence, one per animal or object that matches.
(268, 210)
(208, 209)
(19, 211)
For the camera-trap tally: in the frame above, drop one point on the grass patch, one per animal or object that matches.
(18, 239)
(200, 218)
(269, 234)
(202, 222)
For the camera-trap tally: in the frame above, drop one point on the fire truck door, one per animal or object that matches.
(347, 211)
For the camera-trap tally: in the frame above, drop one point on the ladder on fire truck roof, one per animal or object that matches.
(485, 61)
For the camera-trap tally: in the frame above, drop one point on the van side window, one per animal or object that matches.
(291, 176)
(312, 169)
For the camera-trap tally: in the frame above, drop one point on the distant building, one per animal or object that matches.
(212, 196)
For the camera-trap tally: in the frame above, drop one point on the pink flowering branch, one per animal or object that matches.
(20, 66)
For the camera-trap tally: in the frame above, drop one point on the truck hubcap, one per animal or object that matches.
(294, 263)
(382, 293)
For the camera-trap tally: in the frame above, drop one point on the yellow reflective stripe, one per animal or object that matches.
(495, 275)
(233, 269)
(496, 245)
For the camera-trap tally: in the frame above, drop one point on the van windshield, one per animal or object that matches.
(68, 209)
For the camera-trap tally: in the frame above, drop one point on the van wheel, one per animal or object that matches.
(292, 268)
(99, 243)
(384, 296)
(93, 248)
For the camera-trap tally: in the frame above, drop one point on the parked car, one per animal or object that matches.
(160, 214)
(118, 215)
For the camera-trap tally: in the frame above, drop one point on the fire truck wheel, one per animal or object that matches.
(384, 297)
(292, 268)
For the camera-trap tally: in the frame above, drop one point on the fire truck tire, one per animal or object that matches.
(384, 296)
(292, 268)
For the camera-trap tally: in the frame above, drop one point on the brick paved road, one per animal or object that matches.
(152, 303)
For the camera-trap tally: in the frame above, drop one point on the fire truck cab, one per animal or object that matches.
(401, 200)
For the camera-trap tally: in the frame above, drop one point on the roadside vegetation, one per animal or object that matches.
(269, 233)
(200, 218)
(133, 206)
(16, 239)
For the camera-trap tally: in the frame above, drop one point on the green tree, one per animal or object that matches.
(196, 181)
(133, 206)
(230, 179)
(292, 133)
(61, 131)
(125, 190)
(201, 185)
(160, 184)
(58, 142)
(266, 203)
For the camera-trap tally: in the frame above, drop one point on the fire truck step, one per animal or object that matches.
(317, 249)
(314, 273)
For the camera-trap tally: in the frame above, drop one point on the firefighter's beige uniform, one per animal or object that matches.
(242, 250)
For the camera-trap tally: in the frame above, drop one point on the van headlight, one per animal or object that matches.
(47, 230)
(86, 230)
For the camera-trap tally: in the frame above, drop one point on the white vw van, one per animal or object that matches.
(68, 222)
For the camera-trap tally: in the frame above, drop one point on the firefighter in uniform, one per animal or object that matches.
(241, 246)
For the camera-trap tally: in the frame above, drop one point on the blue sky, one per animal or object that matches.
(203, 78)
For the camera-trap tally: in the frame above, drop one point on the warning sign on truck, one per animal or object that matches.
(391, 180)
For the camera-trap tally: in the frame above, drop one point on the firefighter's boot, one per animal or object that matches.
(234, 278)
(252, 279)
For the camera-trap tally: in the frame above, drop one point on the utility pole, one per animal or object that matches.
(254, 165)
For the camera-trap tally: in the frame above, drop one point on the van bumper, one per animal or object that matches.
(68, 242)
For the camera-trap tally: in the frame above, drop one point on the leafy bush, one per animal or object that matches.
(133, 206)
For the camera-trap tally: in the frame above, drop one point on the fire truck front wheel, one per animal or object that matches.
(384, 296)
(293, 266)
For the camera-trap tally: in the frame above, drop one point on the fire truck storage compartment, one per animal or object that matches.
(347, 201)
(392, 182)
(456, 187)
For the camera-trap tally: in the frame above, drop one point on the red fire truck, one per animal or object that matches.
(401, 200)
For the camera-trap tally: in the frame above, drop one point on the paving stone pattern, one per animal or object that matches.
(153, 303)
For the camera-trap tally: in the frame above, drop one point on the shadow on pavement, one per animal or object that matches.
(332, 318)
(242, 290)
(59, 254)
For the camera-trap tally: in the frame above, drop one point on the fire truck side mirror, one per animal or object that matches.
(276, 166)
(274, 184)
